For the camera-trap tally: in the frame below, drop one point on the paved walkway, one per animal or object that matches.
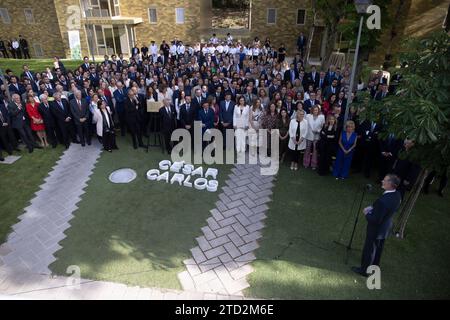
(34, 240)
(21, 285)
(221, 261)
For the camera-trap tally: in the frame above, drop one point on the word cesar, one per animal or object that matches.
(183, 174)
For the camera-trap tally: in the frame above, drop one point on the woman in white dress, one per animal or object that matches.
(241, 123)
(298, 128)
(255, 123)
(315, 124)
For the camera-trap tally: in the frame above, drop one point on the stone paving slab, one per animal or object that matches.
(221, 261)
(16, 284)
(34, 239)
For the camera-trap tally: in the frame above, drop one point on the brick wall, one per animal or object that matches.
(44, 30)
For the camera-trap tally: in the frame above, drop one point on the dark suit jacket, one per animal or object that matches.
(132, 112)
(168, 121)
(17, 116)
(380, 219)
(197, 106)
(46, 114)
(59, 114)
(77, 113)
(5, 113)
(120, 100)
(308, 104)
(226, 116)
(12, 89)
(85, 68)
(287, 75)
(187, 117)
(328, 91)
(207, 118)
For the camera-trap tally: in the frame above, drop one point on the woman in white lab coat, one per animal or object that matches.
(298, 129)
(241, 123)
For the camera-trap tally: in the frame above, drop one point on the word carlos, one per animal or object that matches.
(188, 172)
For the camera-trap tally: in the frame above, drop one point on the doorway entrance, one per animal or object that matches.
(110, 39)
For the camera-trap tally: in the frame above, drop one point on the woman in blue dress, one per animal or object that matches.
(347, 144)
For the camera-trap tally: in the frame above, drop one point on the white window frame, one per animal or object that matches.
(38, 54)
(176, 16)
(5, 13)
(32, 16)
(267, 18)
(304, 19)
(156, 15)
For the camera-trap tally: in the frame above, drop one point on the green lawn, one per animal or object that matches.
(137, 233)
(310, 211)
(36, 65)
(19, 182)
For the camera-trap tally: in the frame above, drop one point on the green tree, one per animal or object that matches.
(419, 110)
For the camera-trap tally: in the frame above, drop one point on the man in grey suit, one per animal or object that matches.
(249, 97)
(379, 223)
(17, 111)
(80, 112)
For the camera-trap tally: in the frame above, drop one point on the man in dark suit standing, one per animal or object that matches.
(332, 89)
(49, 121)
(7, 137)
(133, 118)
(80, 112)
(168, 122)
(15, 86)
(3, 49)
(24, 46)
(382, 93)
(197, 100)
(291, 74)
(17, 113)
(187, 116)
(61, 112)
(301, 44)
(310, 102)
(379, 223)
(226, 111)
(368, 145)
(321, 81)
(85, 64)
(120, 95)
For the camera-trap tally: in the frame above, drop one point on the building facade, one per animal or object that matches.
(73, 28)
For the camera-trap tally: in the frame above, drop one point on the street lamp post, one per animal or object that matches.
(361, 8)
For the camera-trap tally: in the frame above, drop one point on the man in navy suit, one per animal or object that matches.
(301, 43)
(310, 102)
(80, 112)
(332, 89)
(61, 112)
(197, 100)
(291, 74)
(226, 111)
(120, 95)
(17, 112)
(15, 86)
(49, 121)
(187, 115)
(7, 137)
(85, 64)
(379, 223)
(168, 116)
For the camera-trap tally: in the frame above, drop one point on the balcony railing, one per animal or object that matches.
(97, 13)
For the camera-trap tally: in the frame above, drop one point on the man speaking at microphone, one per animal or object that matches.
(379, 223)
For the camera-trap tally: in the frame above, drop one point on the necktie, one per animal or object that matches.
(79, 104)
(61, 105)
(1, 117)
(168, 112)
(188, 107)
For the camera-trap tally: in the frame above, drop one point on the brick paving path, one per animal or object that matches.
(220, 262)
(34, 240)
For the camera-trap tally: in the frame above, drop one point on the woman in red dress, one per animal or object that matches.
(37, 123)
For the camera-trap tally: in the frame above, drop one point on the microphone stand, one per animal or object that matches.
(348, 246)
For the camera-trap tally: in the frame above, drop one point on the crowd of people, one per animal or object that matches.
(223, 83)
(17, 48)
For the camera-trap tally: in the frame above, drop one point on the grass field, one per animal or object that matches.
(298, 259)
(19, 182)
(36, 65)
(137, 233)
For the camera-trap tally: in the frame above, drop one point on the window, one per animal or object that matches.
(38, 50)
(29, 18)
(301, 16)
(4, 15)
(179, 15)
(271, 16)
(152, 18)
